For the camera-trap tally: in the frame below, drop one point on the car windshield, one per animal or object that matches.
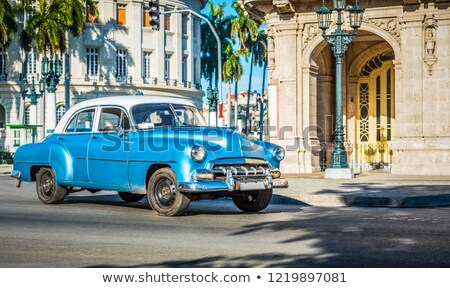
(158, 115)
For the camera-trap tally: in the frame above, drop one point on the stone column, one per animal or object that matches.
(422, 131)
(287, 65)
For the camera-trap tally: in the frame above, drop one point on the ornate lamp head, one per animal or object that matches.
(324, 17)
(58, 66)
(356, 13)
(339, 5)
(45, 68)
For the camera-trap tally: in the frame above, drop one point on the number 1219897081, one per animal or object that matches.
(307, 277)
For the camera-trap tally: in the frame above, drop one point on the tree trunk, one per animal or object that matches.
(247, 111)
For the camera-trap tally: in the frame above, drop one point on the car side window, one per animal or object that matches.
(113, 118)
(81, 122)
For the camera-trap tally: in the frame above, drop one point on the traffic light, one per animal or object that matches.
(154, 14)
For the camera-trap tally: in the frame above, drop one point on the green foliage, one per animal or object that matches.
(8, 24)
(222, 26)
(6, 157)
(50, 21)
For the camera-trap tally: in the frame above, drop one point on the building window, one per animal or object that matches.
(31, 63)
(90, 18)
(146, 18)
(60, 110)
(2, 64)
(121, 14)
(121, 65)
(92, 64)
(194, 77)
(27, 116)
(184, 69)
(16, 138)
(167, 66)
(167, 22)
(184, 21)
(2, 116)
(146, 65)
(194, 27)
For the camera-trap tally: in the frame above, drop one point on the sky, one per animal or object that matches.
(243, 83)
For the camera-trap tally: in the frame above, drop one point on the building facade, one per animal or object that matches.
(395, 79)
(119, 54)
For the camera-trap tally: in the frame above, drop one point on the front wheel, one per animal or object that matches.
(48, 190)
(253, 201)
(129, 197)
(163, 194)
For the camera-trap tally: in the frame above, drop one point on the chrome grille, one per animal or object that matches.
(237, 170)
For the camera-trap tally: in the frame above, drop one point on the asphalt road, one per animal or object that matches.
(99, 230)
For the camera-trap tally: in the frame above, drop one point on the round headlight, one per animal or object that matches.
(198, 153)
(279, 153)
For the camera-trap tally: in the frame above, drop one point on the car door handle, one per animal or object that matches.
(60, 138)
(94, 137)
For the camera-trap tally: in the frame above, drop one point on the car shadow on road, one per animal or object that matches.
(225, 206)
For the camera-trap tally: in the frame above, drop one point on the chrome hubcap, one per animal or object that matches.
(165, 193)
(47, 184)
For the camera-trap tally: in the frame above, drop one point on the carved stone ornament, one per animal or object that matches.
(284, 6)
(310, 32)
(429, 42)
(389, 25)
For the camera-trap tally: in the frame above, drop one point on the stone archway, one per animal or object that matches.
(322, 84)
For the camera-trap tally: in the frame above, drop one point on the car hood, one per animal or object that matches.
(218, 142)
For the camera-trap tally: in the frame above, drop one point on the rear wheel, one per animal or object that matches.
(129, 197)
(163, 194)
(253, 201)
(48, 190)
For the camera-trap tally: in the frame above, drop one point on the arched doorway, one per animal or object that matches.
(368, 97)
(375, 116)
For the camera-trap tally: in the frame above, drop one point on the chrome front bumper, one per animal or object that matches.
(203, 181)
(16, 174)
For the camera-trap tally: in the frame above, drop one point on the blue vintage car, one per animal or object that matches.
(154, 146)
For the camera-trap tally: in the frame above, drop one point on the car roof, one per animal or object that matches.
(124, 101)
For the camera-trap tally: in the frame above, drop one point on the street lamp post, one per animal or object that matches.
(339, 40)
(212, 96)
(51, 72)
(34, 96)
(219, 48)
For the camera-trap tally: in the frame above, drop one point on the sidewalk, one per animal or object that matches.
(368, 189)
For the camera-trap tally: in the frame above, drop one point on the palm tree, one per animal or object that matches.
(222, 25)
(8, 24)
(232, 71)
(49, 23)
(246, 29)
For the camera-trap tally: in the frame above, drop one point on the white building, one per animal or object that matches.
(119, 54)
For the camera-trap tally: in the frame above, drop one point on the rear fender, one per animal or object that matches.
(62, 163)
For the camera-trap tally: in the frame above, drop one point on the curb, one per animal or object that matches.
(335, 200)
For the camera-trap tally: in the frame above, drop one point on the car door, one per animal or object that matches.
(108, 150)
(75, 139)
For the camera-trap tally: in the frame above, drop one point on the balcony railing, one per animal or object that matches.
(124, 79)
(171, 82)
(93, 78)
(150, 80)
